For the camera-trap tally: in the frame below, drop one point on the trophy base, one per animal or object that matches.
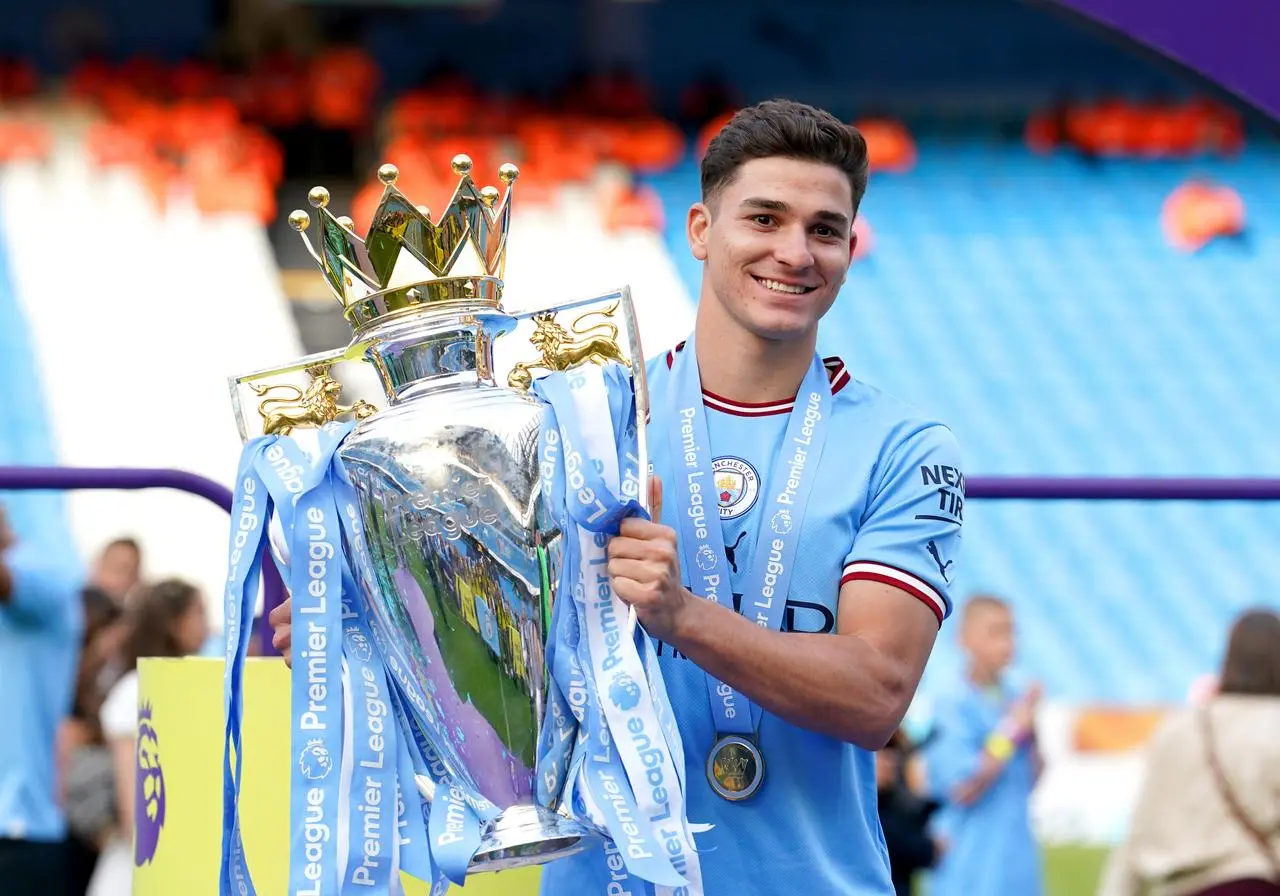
(528, 835)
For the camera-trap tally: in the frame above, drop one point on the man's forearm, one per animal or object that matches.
(837, 685)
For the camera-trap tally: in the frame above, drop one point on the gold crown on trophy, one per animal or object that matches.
(406, 260)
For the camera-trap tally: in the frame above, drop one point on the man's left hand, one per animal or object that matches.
(644, 564)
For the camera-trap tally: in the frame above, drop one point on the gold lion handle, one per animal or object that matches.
(285, 407)
(560, 349)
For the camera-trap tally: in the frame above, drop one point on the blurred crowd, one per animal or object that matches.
(69, 761)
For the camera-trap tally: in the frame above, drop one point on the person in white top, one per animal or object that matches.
(165, 620)
(1207, 817)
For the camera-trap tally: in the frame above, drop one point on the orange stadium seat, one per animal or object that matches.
(1197, 212)
(275, 93)
(342, 83)
(1041, 133)
(193, 80)
(114, 145)
(1116, 128)
(889, 145)
(646, 145)
(24, 141)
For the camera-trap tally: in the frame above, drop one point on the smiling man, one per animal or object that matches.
(816, 524)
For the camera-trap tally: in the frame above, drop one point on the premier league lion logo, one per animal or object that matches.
(782, 522)
(360, 645)
(706, 559)
(315, 761)
(624, 692)
(148, 790)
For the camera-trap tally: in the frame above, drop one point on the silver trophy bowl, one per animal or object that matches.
(460, 568)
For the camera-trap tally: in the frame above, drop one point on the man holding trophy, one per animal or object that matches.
(794, 566)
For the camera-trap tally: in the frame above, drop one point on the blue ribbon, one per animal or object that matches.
(781, 519)
(622, 769)
(250, 511)
(385, 828)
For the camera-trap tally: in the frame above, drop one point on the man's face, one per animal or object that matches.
(777, 240)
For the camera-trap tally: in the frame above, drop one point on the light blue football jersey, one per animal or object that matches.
(991, 847)
(886, 506)
(40, 630)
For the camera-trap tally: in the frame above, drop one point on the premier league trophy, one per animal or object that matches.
(462, 551)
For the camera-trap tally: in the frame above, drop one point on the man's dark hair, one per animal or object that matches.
(787, 129)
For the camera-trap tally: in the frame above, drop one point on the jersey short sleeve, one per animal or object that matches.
(909, 536)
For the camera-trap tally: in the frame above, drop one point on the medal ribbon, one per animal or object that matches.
(790, 481)
(250, 511)
(621, 771)
(356, 819)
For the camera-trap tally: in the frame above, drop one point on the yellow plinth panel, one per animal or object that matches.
(181, 729)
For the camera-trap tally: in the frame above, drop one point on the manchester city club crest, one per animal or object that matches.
(737, 486)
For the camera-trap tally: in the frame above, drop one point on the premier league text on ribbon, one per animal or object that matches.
(653, 757)
(372, 798)
(314, 601)
(774, 566)
(289, 472)
(697, 508)
(246, 528)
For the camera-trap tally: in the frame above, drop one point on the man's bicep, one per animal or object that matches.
(894, 622)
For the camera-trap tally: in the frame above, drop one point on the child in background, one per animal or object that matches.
(983, 764)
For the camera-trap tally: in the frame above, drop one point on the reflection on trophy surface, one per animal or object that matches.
(462, 552)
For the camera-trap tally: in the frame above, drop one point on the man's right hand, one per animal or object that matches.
(282, 630)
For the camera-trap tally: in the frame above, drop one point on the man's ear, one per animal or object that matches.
(696, 229)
